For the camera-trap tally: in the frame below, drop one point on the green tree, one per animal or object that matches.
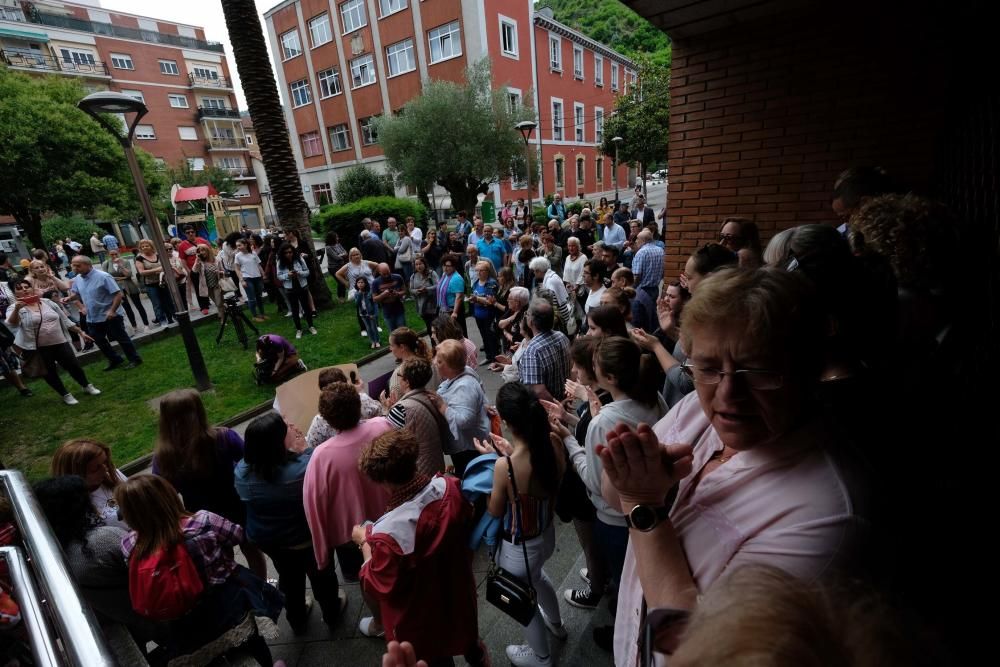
(641, 118)
(74, 227)
(54, 158)
(459, 136)
(361, 181)
(611, 22)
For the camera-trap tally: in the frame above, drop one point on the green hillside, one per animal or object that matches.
(612, 23)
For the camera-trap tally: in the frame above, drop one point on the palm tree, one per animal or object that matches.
(254, 67)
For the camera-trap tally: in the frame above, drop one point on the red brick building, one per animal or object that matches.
(342, 64)
(183, 79)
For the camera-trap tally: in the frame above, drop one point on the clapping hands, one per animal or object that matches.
(641, 468)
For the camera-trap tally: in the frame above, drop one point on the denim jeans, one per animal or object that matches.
(255, 295)
(394, 322)
(293, 566)
(163, 307)
(115, 329)
(511, 558)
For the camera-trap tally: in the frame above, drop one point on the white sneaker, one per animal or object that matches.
(523, 656)
(313, 331)
(298, 334)
(558, 631)
(92, 390)
(69, 400)
(380, 329)
(367, 627)
(288, 314)
(364, 334)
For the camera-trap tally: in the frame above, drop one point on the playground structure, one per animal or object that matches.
(202, 207)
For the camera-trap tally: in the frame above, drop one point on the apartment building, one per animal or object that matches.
(341, 64)
(182, 77)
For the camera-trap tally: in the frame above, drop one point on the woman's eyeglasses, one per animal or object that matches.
(762, 380)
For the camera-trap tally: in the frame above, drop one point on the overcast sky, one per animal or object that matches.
(204, 13)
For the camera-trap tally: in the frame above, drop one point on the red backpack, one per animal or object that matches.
(164, 585)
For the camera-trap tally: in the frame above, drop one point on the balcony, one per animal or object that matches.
(226, 143)
(211, 112)
(153, 37)
(36, 61)
(240, 173)
(213, 82)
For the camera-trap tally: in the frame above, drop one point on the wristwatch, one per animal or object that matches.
(645, 518)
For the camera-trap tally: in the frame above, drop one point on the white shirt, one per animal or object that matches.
(249, 264)
(573, 269)
(417, 235)
(594, 298)
(103, 500)
(553, 282)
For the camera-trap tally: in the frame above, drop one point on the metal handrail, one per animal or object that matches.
(32, 615)
(75, 623)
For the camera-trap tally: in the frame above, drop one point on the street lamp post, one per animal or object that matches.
(99, 103)
(525, 127)
(617, 141)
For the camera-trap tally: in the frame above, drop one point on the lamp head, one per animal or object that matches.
(114, 103)
(525, 127)
(617, 140)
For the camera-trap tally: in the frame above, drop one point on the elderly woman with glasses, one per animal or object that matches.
(743, 470)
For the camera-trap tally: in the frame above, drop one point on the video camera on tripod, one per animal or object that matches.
(233, 312)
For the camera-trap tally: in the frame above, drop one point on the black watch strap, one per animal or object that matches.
(646, 517)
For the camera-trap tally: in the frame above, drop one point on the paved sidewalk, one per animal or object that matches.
(345, 645)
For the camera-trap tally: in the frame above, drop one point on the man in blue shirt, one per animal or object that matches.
(451, 291)
(110, 242)
(556, 210)
(614, 235)
(105, 315)
(492, 249)
(647, 265)
(463, 226)
(388, 291)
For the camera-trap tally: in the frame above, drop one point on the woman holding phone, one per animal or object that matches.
(43, 329)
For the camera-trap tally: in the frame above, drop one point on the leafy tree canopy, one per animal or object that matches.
(612, 23)
(68, 227)
(641, 118)
(54, 157)
(459, 136)
(361, 181)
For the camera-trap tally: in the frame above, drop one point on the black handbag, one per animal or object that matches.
(507, 592)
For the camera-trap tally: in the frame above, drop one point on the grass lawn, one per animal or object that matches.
(31, 429)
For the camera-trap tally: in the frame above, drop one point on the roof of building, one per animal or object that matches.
(544, 19)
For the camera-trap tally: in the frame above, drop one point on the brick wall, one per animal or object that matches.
(764, 117)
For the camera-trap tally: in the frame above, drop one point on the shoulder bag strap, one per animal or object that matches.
(520, 517)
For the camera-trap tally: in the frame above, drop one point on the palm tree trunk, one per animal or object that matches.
(254, 67)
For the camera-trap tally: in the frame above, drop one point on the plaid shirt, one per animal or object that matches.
(546, 361)
(647, 265)
(209, 539)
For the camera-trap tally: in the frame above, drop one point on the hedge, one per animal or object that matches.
(346, 219)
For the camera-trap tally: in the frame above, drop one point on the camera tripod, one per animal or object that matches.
(234, 313)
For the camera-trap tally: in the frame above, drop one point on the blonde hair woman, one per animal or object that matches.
(208, 269)
(150, 270)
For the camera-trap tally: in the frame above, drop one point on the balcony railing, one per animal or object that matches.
(226, 142)
(151, 36)
(209, 81)
(240, 173)
(37, 61)
(211, 112)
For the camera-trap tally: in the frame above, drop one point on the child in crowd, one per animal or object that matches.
(91, 460)
(366, 310)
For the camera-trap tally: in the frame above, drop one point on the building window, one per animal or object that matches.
(137, 94)
(555, 53)
(76, 57)
(169, 67)
(578, 121)
(329, 83)
(301, 95)
(579, 172)
(557, 120)
(178, 101)
(290, 46)
(228, 162)
(560, 173)
(614, 76)
(205, 73)
(213, 102)
(362, 71)
(322, 194)
(600, 170)
(249, 139)
(513, 100)
(445, 42)
(188, 133)
(144, 132)
(319, 30)
(352, 13)
(368, 134)
(578, 62)
(196, 163)
(599, 125)
(598, 70)
(311, 144)
(391, 6)
(508, 37)
(122, 61)
(340, 137)
(400, 57)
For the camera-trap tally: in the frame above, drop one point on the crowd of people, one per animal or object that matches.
(717, 441)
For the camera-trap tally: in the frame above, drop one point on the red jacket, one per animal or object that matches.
(183, 247)
(421, 572)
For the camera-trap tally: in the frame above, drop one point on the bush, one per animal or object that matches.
(63, 227)
(346, 219)
(360, 182)
(541, 215)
